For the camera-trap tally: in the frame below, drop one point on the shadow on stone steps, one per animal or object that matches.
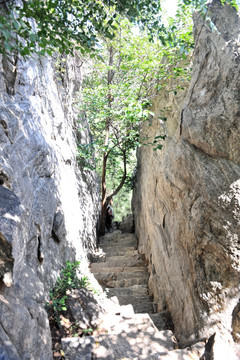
(127, 347)
(129, 337)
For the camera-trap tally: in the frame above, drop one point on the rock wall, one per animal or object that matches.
(187, 197)
(48, 204)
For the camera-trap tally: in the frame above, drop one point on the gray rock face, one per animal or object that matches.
(84, 308)
(10, 217)
(48, 205)
(127, 224)
(187, 210)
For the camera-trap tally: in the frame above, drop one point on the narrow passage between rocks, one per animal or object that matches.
(133, 329)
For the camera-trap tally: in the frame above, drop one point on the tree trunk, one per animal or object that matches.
(105, 199)
(110, 75)
(104, 193)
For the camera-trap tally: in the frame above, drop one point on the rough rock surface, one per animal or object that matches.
(127, 224)
(187, 210)
(48, 204)
(84, 308)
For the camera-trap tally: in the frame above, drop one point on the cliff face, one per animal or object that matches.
(187, 196)
(48, 205)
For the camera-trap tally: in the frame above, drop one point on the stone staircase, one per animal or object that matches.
(130, 328)
(123, 273)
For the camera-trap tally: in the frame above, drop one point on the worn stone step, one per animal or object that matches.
(120, 261)
(137, 290)
(138, 299)
(123, 283)
(117, 246)
(126, 321)
(119, 271)
(121, 258)
(116, 239)
(106, 251)
(112, 282)
(121, 277)
(118, 250)
(140, 304)
(118, 346)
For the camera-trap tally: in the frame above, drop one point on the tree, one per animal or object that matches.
(116, 98)
(65, 25)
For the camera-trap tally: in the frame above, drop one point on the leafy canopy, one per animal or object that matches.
(118, 90)
(65, 25)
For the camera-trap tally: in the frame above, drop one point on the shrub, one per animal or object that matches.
(69, 279)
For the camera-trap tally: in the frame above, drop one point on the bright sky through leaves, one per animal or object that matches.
(170, 6)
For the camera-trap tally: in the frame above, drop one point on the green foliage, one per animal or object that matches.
(87, 332)
(202, 5)
(119, 88)
(122, 203)
(69, 279)
(115, 103)
(85, 154)
(234, 3)
(66, 25)
(157, 145)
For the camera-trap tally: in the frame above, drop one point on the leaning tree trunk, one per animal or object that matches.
(106, 199)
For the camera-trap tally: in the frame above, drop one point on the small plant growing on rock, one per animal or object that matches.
(87, 332)
(62, 323)
(69, 279)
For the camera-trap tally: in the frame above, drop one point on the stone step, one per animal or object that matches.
(106, 251)
(116, 246)
(136, 295)
(137, 290)
(121, 277)
(118, 250)
(193, 352)
(124, 258)
(126, 321)
(120, 261)
(122, 283)
(139, 300)
(117, 235)
(140, 305)
(120, 271)
(119, 346)
(115, 239)
(124, 275)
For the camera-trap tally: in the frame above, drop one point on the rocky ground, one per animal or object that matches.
(124, 323)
